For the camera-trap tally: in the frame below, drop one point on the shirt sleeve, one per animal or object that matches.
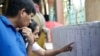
(35, 47)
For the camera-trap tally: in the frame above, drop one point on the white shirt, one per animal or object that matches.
(35, 46)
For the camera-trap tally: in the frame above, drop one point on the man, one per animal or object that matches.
(18, 14)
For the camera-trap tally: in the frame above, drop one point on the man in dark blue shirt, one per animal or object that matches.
(17, 15)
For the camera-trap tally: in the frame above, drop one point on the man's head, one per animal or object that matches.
(22, 10)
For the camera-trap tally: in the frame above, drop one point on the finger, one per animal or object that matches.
(23, 27)
(71, 43)
(24, 34)
(26, 30)
(70, 49)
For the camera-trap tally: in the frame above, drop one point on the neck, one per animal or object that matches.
(13, 21)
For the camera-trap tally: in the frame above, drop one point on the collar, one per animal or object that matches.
(5, 21)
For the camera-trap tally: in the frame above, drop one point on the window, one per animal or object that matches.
(74, 12)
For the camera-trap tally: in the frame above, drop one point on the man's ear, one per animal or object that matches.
(22, 12)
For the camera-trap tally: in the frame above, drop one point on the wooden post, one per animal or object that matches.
(59, 11)
(92, 10)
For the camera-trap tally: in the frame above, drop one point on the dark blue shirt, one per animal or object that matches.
(11, 42)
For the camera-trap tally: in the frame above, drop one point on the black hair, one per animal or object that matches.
(14, 6)
(46, 18)
(37, 1)
(33, 25)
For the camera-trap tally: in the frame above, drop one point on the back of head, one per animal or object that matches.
(14, 6)
(33, 25)
(46, 18)
(40, 20)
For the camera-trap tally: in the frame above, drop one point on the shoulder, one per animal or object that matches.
(35, 47)
(1, 23)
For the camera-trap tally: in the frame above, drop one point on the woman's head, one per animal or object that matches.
(35, 28)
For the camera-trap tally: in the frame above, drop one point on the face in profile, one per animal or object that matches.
(24, 18)
(36, 33)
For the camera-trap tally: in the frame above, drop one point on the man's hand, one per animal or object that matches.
(67, 47)
(27, 32)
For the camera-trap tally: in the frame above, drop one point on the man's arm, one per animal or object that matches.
(27, 33)
(29, 49)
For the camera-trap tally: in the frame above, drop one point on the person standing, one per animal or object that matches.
(18, 14)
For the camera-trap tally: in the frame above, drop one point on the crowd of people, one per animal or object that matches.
(19, 32)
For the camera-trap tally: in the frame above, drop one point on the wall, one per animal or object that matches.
(86, 38)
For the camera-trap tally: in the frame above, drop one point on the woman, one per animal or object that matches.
(40, 51)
